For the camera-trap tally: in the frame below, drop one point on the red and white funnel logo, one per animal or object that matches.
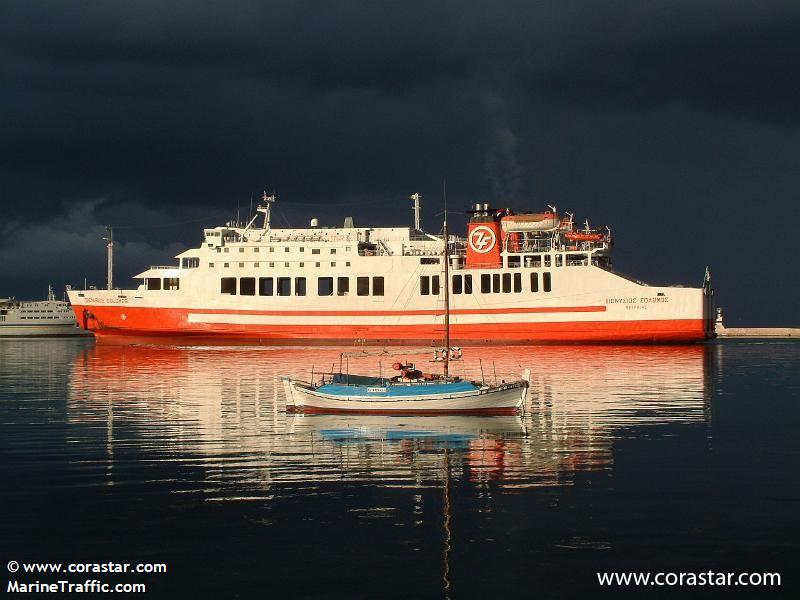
(482, 239)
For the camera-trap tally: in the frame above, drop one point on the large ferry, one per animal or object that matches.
(516, 278)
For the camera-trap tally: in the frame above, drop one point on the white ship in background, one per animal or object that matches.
(42, 318)
(516, 278)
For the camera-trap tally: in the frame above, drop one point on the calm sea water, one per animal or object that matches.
(630, 458)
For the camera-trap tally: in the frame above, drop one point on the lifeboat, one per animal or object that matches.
(583, 236)
(530, 222)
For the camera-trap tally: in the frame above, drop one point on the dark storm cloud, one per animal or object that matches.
(147, 114)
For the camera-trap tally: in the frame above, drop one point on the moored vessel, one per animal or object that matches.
(40, 318)
(383, 285)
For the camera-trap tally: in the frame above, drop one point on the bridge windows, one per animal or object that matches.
(429, 260)
(190, 262)
(227, 285)
(153, 283)
(172, 283)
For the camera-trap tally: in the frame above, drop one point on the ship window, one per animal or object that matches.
(210, 265)
(534, 282)
(342, 286)
(255, 264)
(317, 265)
(424, 285)
(302, 249)
(284, 286)
(333, 250)
(577, 260)
(299, 286)
(546, 282)
(225, 249)
(191, 262)
(302, 264)
(271, 249)
(486, 283)
(513, 262)
(153, 283)
(272, 264)
(496, 283)
(255, 249)
(467, 284)
(533, 261)
(241, 265)
(506, 283)
(265, 287)
(347, 264)
(315, 251)
(546, 260)
(172, 283)
(247, 286)
(325, 286)
(362, 286)
(377, 286)
(333, 264)
(286, 265)
(517, 283)
(226, 265)
(227, 285)
(457, 284)
(428, 261)
(241, 249)
(559, 260)
(286, 248)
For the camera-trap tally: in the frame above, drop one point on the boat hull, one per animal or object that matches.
(261, 327)
(502, 400)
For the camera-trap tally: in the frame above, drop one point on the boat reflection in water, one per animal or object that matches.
(222, 409)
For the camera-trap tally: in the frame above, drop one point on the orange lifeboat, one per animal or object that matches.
(530, 222)
(583, 236)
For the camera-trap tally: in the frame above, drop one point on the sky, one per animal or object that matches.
(675, 123)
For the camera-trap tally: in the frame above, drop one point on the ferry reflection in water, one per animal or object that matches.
(223, 409)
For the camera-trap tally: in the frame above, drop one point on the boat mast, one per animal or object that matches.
(446, 295)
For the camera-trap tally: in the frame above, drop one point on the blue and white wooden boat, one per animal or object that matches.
(345, 393)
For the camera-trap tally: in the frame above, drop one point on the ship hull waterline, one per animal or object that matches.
(147, 323)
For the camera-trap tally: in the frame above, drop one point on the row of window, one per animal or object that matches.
(257, 249)
(491, 283)
(170, 283)
(272, 265)
(289, 286)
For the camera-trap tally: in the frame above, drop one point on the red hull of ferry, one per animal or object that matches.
(133, 322)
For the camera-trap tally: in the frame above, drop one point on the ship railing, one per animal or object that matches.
(163, 267)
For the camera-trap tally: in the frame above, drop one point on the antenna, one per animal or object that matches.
(446, 286)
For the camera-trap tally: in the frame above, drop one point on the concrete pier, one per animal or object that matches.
(753, 332)
(758, 332)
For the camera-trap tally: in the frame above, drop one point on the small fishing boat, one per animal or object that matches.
(410, 391)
